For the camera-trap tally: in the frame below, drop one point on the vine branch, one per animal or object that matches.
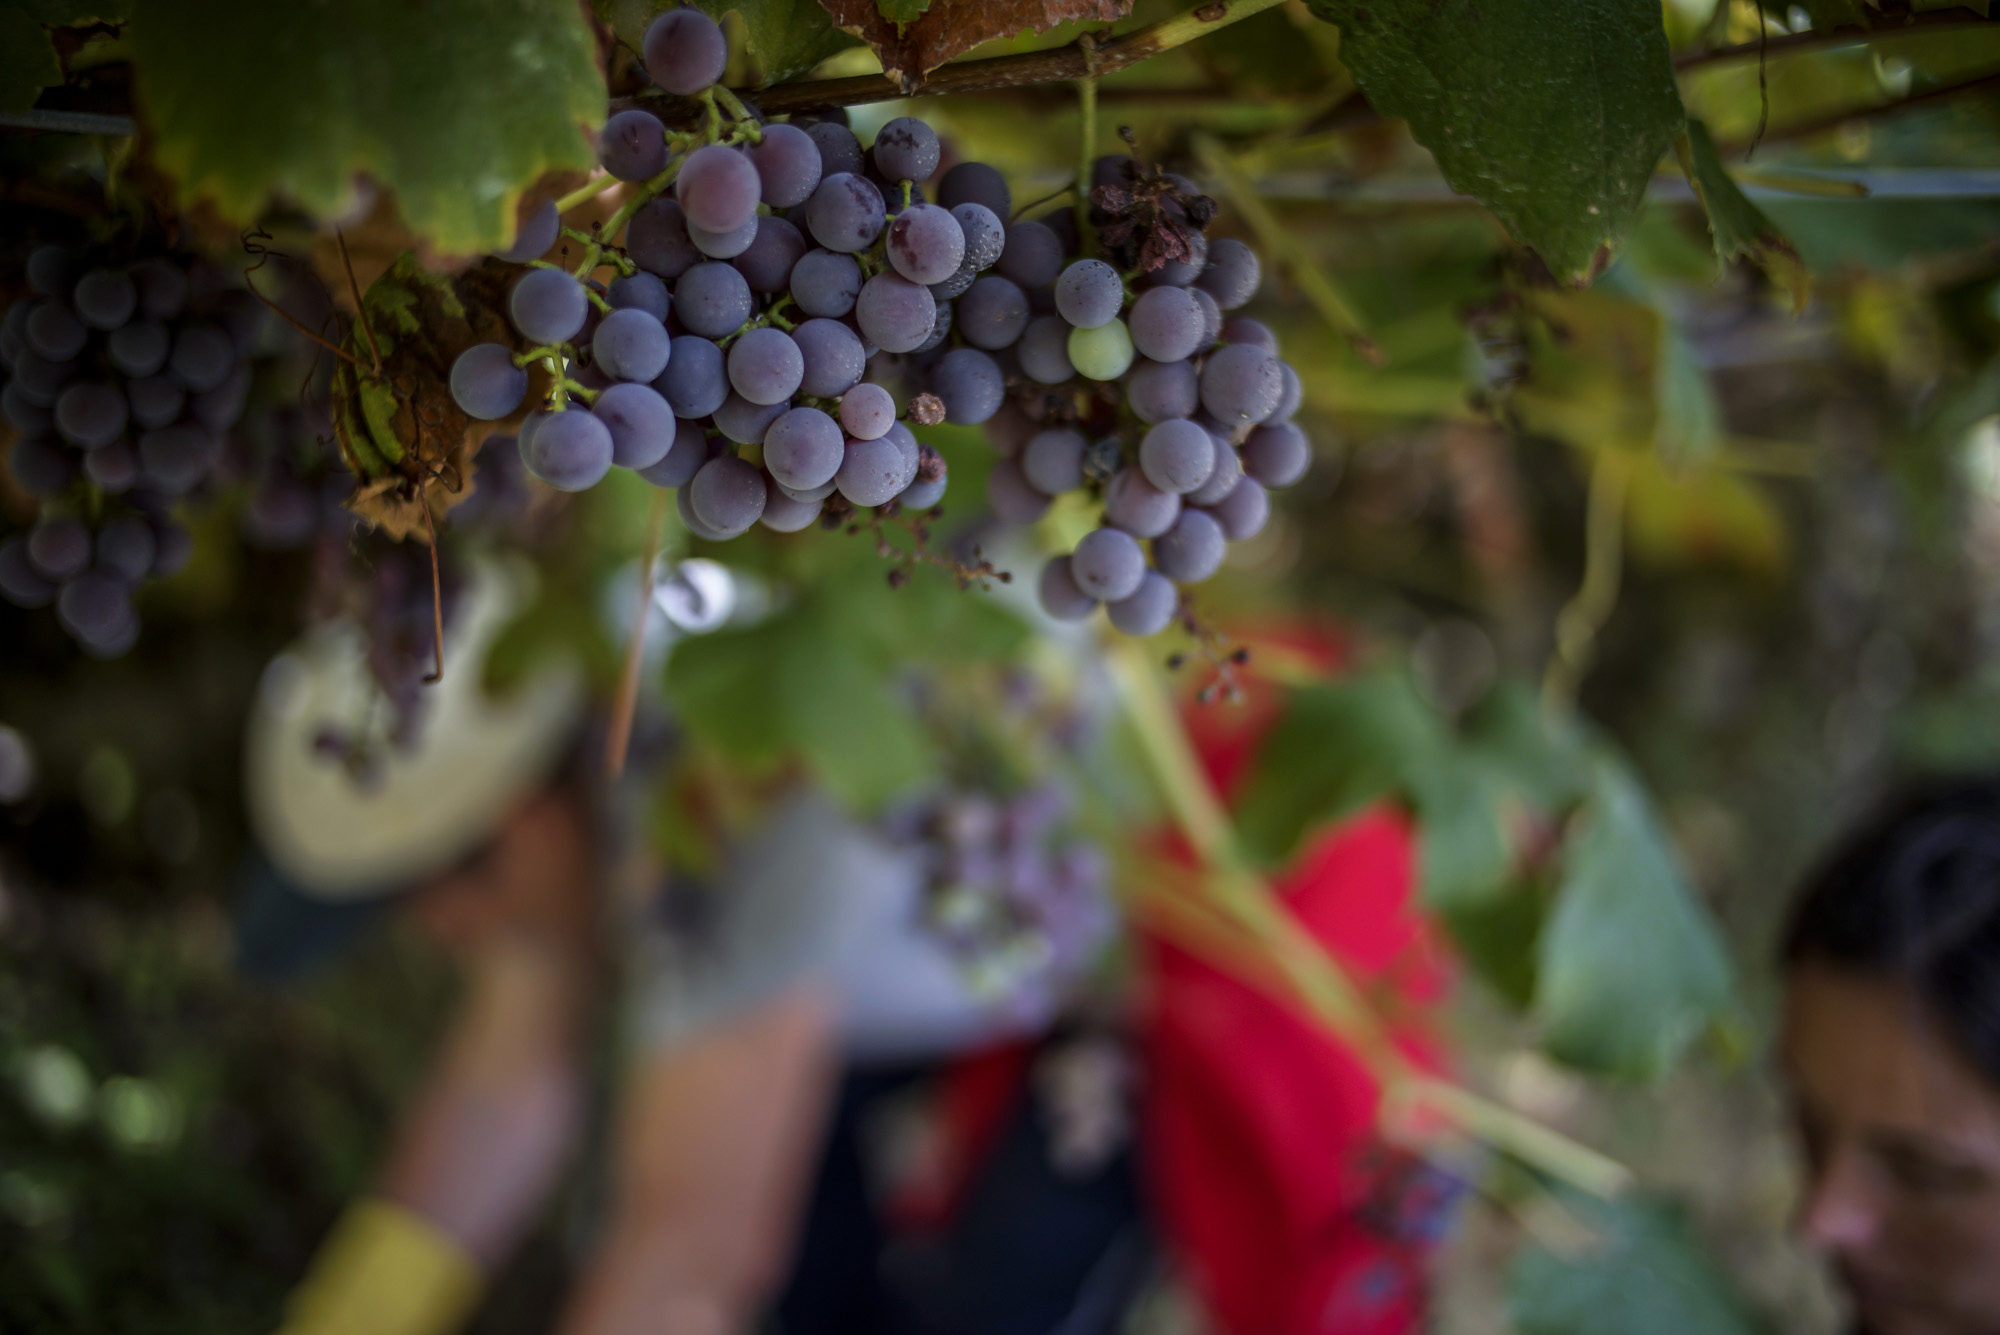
(1072, 62)
(1846, 35)
(1604, 549)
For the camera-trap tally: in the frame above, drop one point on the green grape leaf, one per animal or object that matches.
(1496, 936)
(1337, 748)
(1552, 113)
(1465, 851)
(456, 105)
(784, 38)
(1740, 229)
(1630, 968)
(28, 61)
(1641, 1272)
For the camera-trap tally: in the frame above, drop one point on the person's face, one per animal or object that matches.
(1902, 1146)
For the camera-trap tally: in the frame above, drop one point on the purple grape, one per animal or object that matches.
(712, 300)
(1148, 609)
(926, 244)
(1177, 455)
(718, 188)
(1232, 274)
(1192, 549)
(678, 465)
(114, 468)
(834, 358)
(219, 409)
(534, 235)
(631, 345)
(1053, 461)
(804, 449)
(1211, 318)
(825, 284)
(1043, 350)
(684, 51)
(163, 288)
(1228, 471)
(20, 583)
(59, 547)
(1240, 384)
(839, 150)
(1013, 501)
(906, 150)
(695, 382)
(633, 146)
(42, 467)
(657, 239)
(176, 549)
(94, 607)
(38, 379)
(767, 263)
(727, 494)
(1288, 402)
(954, 287)
(745, 422)
(1243, 512)
(640, 291)
(156, 400)
(547, 306)
(1243, 329)
(139, 349)
(51, 271)
(873, 472)
(766, 366)
(940, 327)
(126, 547)
(971, 385)
(867, 411)
(1059, 593)
(985, 236)
(105, 299)
(894, 313)
(177, 458)
(486, 384)
(1277, 456)
(54, 332)
(202, 356)
(784, 513)
(23, 413)
(1089, 294)
(641, 424)
(845, 213)
(976, 183)
(788, 164)
(282, 515)
(1166, 324)
(1032, 255)
(1158, 391)
(1010, 429)
(571, 451)
(992, 313)
(723, 245)
(811, 494)
(1137, 506)
(1108, 564)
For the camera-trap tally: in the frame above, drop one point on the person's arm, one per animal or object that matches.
(716, 1142)
(476, 1155)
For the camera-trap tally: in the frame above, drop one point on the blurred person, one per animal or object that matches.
(1891, 1050)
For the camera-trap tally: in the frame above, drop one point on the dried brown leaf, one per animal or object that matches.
(950, 28)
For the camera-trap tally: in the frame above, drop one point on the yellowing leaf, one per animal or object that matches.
(1740, 229)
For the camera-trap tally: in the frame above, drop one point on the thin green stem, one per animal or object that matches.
(1086, 105)
(1604, 547)
(586, 192)
(740, 113)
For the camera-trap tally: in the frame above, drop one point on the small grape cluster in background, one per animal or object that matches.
(123, 381)
(1010, 892)
(778, 284)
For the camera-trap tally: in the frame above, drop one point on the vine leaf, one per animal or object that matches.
(1629, 967)
(785, 38)
(902, 11)
(1740, 229)
(1552, 113)
(455, 105)
(947, 28)
(1640, 1271)
(28, 60)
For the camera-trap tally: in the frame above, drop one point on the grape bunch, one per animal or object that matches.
(122, 385)
(786, 303)
(1008, 889)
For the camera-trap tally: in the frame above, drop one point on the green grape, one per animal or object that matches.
(1103, 353)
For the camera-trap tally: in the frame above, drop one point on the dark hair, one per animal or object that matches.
(1914, 895)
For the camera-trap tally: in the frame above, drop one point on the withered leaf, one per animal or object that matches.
(950, 28)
